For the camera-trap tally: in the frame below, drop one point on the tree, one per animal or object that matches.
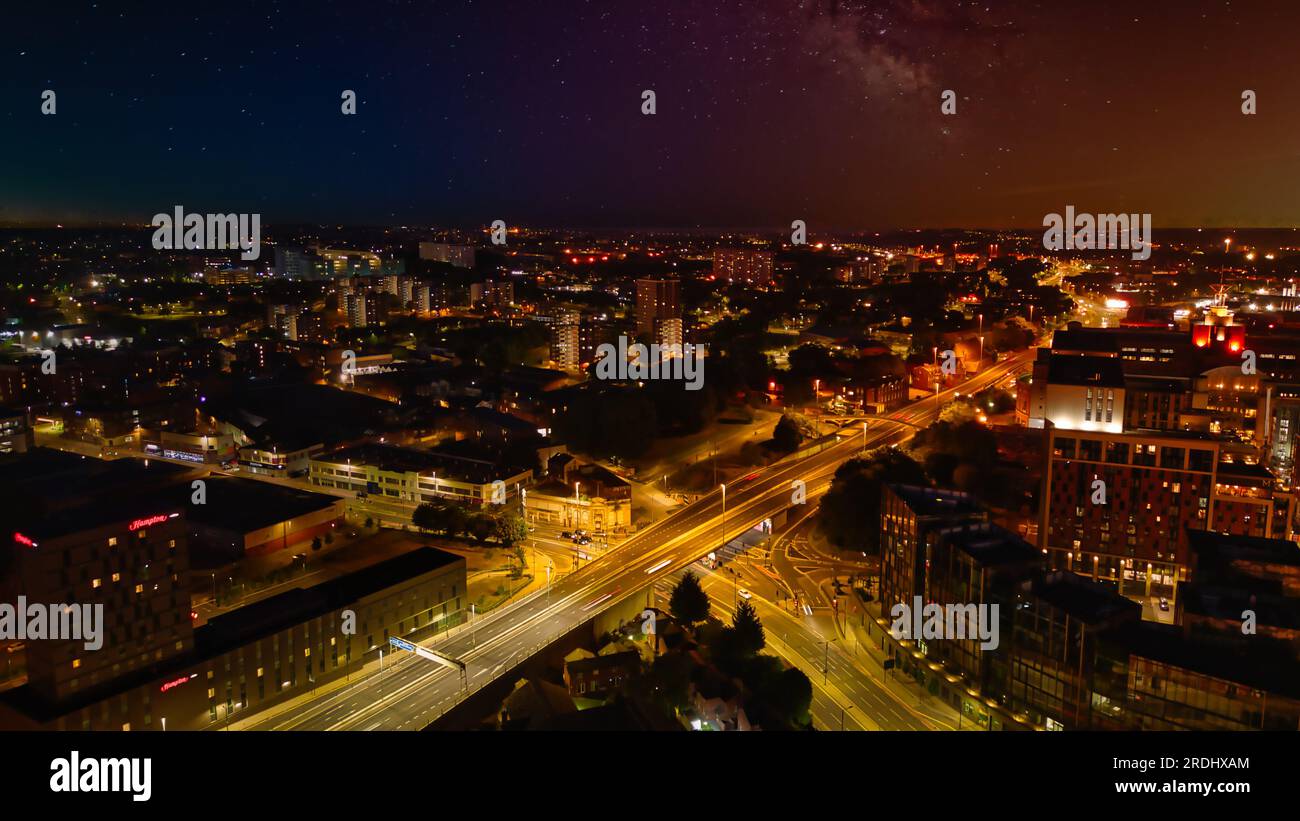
(428, 517)
(786, 436)
(747, 630)
(511, 529)
(947, 444)
(788, 694)
(369, 523)
(440, 517)
(849, 514)
(455, 520)
(689, 604)
(481, 526)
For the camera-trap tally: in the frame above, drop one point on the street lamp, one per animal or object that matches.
(577, 504)
(724, 514)
(826, 661)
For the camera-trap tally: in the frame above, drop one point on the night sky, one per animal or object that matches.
(767, 111)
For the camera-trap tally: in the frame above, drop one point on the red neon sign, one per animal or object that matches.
(21, 539)
(149, 520)
(176, 682)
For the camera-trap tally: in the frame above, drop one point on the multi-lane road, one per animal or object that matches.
(414, 692)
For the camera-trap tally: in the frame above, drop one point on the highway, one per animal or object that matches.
(413, 692)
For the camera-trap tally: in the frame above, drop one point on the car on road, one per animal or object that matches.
(745, 594)
(582, 540)
(1164, 604)
(566, 535)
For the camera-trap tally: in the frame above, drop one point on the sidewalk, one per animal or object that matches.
(861, 638)
(869, 634)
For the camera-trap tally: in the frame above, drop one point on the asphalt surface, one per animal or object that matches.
(413, 692)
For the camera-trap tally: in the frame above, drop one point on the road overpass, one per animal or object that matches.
(412, 693)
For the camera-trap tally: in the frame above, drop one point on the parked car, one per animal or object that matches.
(566, 535)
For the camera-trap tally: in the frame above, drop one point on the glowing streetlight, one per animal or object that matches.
(724, 513)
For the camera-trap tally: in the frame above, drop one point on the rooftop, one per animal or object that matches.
(1084, 599)
(1091, 371)
(929, 501)
(296, 606)
(244, 505)
(990, 545)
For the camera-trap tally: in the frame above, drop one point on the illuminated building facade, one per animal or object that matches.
(132, 559)
(743, 266)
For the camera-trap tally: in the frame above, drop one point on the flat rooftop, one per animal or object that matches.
(1262, 664)
(57, 475)
(267, 616)
(929, 501)
(248, 624)
(465, 461)
(1084, 599)
(244, 505)
(990, 545)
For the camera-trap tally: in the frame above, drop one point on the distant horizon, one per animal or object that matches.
(648, 229)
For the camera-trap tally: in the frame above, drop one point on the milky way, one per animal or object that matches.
(823, 110)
